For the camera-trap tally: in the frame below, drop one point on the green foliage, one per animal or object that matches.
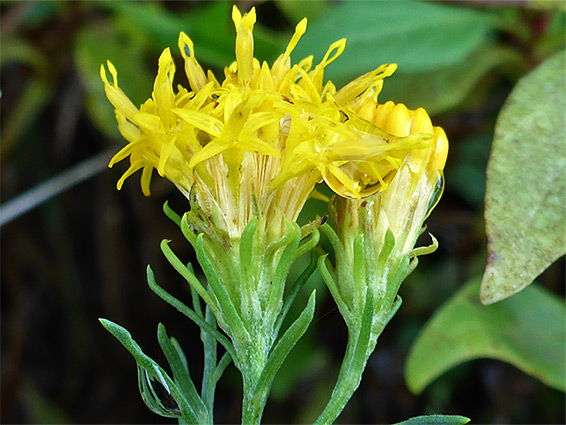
(470, 163)
(136, 81)
(436, 420)
(526, 330)
(170, 401)
(418, 36)
(448, 86)
(526, 183)
(296, 10)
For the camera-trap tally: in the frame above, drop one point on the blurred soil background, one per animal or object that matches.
(82, 253)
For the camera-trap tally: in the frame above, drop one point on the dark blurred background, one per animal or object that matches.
(82, 253)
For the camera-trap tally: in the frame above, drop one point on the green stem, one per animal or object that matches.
(348, 382)
(361, 343)
(252, 406)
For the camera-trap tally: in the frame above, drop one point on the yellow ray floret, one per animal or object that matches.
(264, 130)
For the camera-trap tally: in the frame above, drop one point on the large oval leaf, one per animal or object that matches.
(418, 36)
(527, 330)
(526, 183)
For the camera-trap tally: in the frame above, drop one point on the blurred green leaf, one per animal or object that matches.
(467, 173)
(554, 38)
(39, 12)
(436, 420)
(305, 361)
(35, 94)
(526, 183)
(527, 330)
(151, 20)
(446, 87)
(23, 114)
(546, 5)
(40, 408)
(296, 10)
(213, 33)
(209, 25)
(20, 51)
(418, 36)
(284, 346)
(96, 44)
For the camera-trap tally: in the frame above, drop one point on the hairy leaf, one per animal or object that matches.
(526, 183)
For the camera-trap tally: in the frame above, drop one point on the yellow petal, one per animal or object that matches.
(115, 95)
(122, 153)
(244, 43)
(146, 179)
(131, 170)
(421, 122)
(256, 145)
(360, 84)
(398, 122)
(440, 151)
(163, 94)
(166, 149)
(210, 150)
(195, 74)
(200, 120)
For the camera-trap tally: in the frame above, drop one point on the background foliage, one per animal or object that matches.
(82, 254)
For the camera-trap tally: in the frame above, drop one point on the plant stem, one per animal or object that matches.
(252, 405)
(348, 381)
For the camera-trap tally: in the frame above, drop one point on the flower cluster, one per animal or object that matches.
(257, 143)
(247, 152)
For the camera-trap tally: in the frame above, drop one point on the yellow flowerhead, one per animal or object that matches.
(413, 191)
(257, 143)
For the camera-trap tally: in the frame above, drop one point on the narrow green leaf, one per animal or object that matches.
(41, 407)
(182, 308)
(527, 330)
(221, 367)
(526, 183)
(394, 309)
(191, 279)
(247, 260)
(210, 363)
(18, 50)
(419, 36)
(294, 291)
(148, 371)
(363, 349)
(282, 270)
(436, 420)
(308, 245)
(285, 345)
(172, 215)
(333, 288)
(228, 310)
(181, 374)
